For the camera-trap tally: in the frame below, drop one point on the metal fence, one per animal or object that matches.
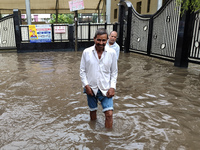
(165, 30)
(139, 32)
(165, 34)
(195, 45)
(153, 34)
(86, 31)
(56, 36)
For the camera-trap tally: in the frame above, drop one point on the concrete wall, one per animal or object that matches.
(153, 6)
(113, 7)
(152, 10)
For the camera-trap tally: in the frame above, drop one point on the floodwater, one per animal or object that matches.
(42, 106)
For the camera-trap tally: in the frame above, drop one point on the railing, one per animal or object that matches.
(24, 33)
(86, 31)
(57, 36)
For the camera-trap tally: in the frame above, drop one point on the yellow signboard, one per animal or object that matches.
(32, 32)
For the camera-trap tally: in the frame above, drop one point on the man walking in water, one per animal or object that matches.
(112, 42)
(98, 72)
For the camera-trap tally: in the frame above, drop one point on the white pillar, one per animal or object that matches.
(159, 4)
(28, 12)
(108, 10)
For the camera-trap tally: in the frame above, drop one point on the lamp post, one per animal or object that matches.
(108, 8)
(28, 12)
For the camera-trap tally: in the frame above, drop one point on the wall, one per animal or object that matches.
(114, 5)
(153, 6)
(152, 10)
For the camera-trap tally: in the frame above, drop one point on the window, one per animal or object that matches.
(148, 5)
(115, 13)
(138, 7)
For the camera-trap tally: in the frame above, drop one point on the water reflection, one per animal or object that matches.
(157, 105)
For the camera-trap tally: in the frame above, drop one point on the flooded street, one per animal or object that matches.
(42, 106)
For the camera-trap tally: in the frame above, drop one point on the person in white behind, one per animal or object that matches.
(98, 73)
(112, 43)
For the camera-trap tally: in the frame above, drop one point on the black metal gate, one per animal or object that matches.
(165, 34)
(195, 46)
(7, 33)
(151, 34)
(165, 30)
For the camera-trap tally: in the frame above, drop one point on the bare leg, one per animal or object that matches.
(93, 115)
(109, 119)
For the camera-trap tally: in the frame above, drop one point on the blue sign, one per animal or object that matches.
(43, 34)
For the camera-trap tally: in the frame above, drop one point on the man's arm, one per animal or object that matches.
(88, 90)
(110, 93)
(83, 75)
(114, 73)
(83, 70)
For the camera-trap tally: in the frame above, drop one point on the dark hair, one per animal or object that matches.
(101, 31)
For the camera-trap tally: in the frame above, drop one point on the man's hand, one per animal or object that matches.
(110, 93)
(89, 90)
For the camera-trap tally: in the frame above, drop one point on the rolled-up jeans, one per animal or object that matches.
(106, 103)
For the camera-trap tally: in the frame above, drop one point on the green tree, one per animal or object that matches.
(193, 5)
(63, 18)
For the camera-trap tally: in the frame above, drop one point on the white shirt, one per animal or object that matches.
(115, 46)
(99, 73)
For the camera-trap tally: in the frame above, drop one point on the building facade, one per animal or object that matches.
(144, 7)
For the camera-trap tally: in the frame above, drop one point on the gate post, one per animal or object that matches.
(121, 22)
(125, 19)
(115, 27)
(128, 31)
(89, 31)
(150, 36)
(52, 33)
(105, 25)
(184, 40)
(71, 35)
(17, 22)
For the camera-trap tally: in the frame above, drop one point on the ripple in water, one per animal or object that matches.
(42, 105)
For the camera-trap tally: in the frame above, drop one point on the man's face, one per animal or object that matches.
(112, 37)
(100, 41)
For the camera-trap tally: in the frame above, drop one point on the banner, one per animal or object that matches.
(76, 5)
(59, 29)
(32, 32)
(40, 33)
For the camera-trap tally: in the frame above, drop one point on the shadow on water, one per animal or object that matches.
(157, 105)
